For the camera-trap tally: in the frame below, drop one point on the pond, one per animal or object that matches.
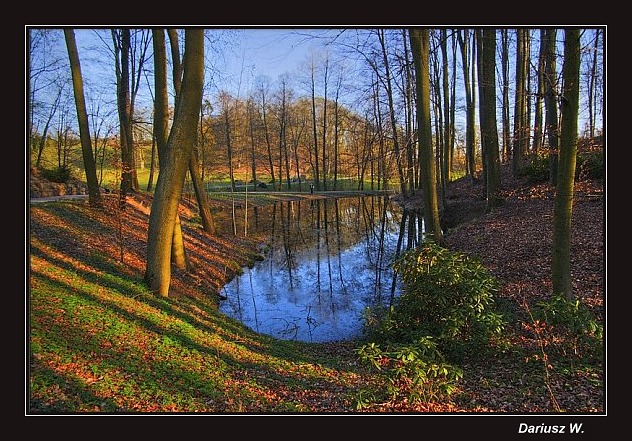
(326, 261)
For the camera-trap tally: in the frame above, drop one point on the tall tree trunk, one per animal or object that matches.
(122, 47)
(180, 144)
(419, 43)
(178, 252)
(161, 130)
(204, 209)
(94, 195)
(490, 130)
(563, 209)
(452, 107)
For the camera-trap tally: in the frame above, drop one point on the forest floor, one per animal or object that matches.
(513, 241)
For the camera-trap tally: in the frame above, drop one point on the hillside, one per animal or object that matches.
(101, 343)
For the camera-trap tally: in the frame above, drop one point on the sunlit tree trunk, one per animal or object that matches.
(161, 124)
(208, 224)
(225, 100)
(419, 43)
(563, 210)
(170, 182)
(94, 195)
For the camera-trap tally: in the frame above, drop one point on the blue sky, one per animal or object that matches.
(270, 52)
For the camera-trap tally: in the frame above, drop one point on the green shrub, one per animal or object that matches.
(576, 330)
(416, 371)
(447, 295)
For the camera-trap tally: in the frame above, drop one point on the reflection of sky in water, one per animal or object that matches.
(315, 283)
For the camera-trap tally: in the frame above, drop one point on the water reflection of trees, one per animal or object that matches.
(324, 228)
(327, 257)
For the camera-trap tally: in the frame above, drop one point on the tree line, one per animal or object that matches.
(401, 128)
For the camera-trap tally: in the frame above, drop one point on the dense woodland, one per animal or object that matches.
(416, 110)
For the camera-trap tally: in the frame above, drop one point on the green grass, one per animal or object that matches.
(103, 343)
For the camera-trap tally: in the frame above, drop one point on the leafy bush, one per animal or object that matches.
(447, 305)
(573, 323)
(415, 371)
(447, 295)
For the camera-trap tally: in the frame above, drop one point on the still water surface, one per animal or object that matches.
(326, 261)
